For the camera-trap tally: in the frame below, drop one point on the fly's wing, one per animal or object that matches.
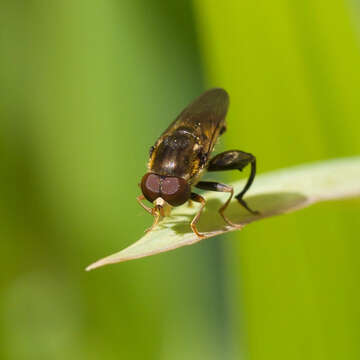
(204, 118)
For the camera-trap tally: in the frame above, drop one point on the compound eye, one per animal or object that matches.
(150, 186)
(175, 190)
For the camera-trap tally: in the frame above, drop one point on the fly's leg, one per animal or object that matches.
(215, 186)
(155, 212)
(139, 199)
(236, 160)
(201, 200)
(156, 215)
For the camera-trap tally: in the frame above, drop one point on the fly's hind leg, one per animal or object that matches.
(236, 160)
(215, 186)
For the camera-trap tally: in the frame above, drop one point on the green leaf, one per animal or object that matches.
(272, 194)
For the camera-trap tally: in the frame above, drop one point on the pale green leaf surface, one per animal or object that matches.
(272, 194)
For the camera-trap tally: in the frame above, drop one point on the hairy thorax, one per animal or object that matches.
(178, 154)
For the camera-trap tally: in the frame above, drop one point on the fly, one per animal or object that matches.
(181, 155)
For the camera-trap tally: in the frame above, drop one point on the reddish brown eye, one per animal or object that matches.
(150, 186)
(175, 190)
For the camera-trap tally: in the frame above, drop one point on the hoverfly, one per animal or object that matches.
(182, 154)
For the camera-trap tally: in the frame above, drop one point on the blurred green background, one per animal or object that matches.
(85, 89)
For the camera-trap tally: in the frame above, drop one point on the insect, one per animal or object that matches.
(181, 155)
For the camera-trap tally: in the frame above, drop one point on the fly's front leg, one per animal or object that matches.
(201, 200)
(153, 211)
(139, 199)
(236, 160)
(215, 186)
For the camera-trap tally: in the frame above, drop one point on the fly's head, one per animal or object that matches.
(165, 190)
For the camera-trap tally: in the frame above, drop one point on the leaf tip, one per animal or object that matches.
(95, 265)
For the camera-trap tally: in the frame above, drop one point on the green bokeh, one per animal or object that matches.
(292, 69)
(85, 89)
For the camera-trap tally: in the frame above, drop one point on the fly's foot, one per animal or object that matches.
(195, 231)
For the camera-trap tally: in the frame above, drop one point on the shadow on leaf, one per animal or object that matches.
(268, 204)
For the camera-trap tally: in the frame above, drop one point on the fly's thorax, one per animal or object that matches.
(177, 154)
(197, 176)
